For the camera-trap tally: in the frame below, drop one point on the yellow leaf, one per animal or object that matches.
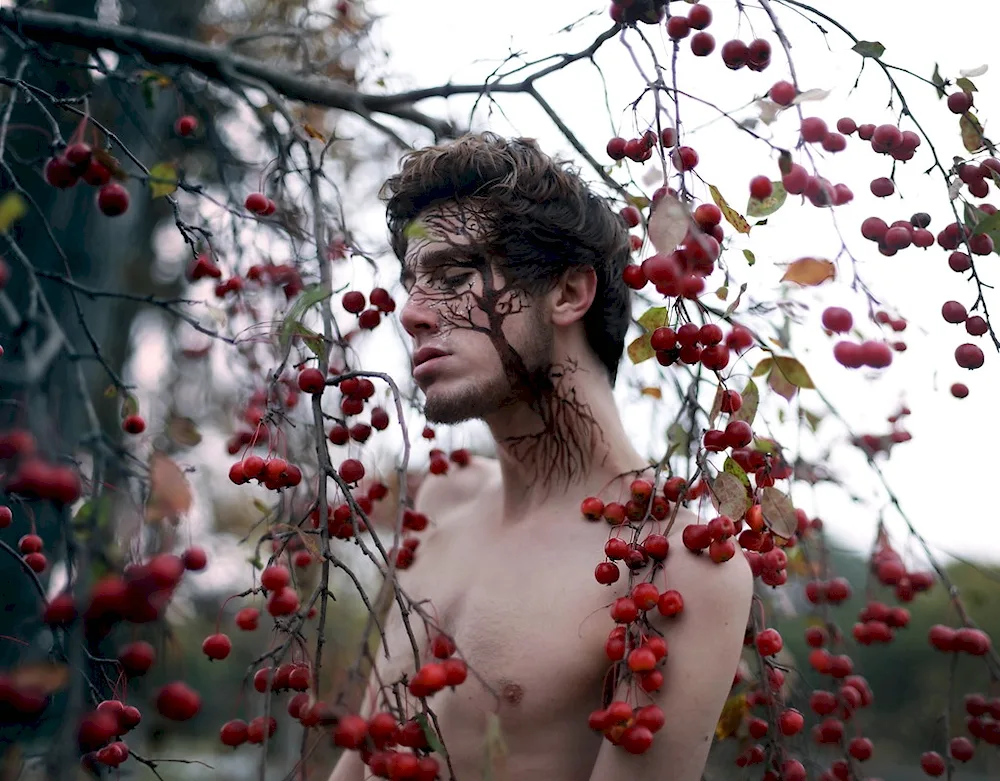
(12, 208)
(641, 350)
(972, 132)
(732, 216)
(809, 271)
(313, 132)
(656, 393)
(732, 716)
(170, 494)
(163, 179)
(153, 77)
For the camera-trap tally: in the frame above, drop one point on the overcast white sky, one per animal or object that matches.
(945, 477)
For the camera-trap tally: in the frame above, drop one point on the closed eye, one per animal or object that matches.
(456, 281)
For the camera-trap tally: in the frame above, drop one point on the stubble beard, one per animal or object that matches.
(476, 400)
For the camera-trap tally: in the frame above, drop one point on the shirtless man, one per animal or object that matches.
(518, 317)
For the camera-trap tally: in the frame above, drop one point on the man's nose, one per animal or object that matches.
(417, 316)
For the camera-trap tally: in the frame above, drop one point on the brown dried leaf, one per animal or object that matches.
(668, 224)
(313, 132)
(170, 492)
(656, 393)
(780, 385)
(43, 677)
(809, 271)
(183, 431)
(729, 495)
(779, 512)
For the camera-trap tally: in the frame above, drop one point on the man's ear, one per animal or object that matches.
(573, 295)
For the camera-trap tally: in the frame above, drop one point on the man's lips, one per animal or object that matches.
(425, 354)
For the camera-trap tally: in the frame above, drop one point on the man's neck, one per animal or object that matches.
(568, 443)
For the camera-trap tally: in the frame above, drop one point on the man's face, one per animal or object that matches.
(478, 341)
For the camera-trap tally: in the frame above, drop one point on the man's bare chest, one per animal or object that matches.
(524, 611)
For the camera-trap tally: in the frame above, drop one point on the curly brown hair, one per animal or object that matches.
(542, 220)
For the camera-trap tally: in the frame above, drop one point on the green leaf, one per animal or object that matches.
(638, 201)
(162, 179)
(938, 82)
(769, 205)
(812, 419)
(751, 258)
(731, 467)
(415, 230)
(12, 208)
(130, 406)
(965, 85)
(678, 435)
(309, 297)
(871, 49)
(751, 400)
(762, 368)
(779, 512)
(310, 338)
(765, 445)
(432, 737)
(988, 224)
(653, 318)
(793, 371)
(494, 749)
(640, 350)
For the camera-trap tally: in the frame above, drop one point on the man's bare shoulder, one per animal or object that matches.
(440, 495)
(729, 583)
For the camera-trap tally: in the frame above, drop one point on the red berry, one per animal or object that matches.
(351, 470)
(112, 199)
(782, 93)
(256, 203)
(932, 763)
(59, 173)
(185, 125)
(702, 44)
(768, 642)
(761, 188)
(233, 733)
(248, 618)
(813, 130)
(195, 559)
(969, 356)
(678, 27)
(735, 54)
(311, 381)
(959, 102)
(699, 16)
(217, 646)
(177, 701)
(275, 577)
